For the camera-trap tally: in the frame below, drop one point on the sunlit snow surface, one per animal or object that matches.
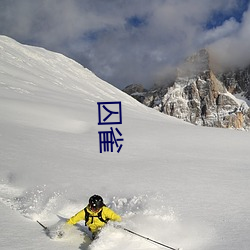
(181, 185)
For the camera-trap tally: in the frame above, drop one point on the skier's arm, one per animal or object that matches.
(77, 217)
(110, 214)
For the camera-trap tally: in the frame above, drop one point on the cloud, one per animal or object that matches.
(228, 28)
(233, 49)
(121, 41)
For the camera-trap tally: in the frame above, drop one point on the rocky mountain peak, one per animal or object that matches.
(200, 96)
(196, 64)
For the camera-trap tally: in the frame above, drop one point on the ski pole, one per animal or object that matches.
(45, 228)
(146, 238)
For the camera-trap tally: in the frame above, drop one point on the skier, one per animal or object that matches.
(95, 214)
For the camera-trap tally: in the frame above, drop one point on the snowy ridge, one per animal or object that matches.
(182, 185)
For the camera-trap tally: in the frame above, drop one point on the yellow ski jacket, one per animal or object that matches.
(94, 223)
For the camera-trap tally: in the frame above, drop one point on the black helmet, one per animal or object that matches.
(95, 202)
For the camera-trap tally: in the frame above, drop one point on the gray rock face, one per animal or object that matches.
(201, 97)
(237, 81)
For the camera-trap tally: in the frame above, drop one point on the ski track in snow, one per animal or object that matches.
(144, 214)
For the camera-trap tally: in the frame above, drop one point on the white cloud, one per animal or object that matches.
(228, 28)
(97, 32)
(233, 50)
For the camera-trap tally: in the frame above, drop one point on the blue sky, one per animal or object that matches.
(131, 41)
(218, 17)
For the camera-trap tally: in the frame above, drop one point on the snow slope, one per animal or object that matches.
(176, 183)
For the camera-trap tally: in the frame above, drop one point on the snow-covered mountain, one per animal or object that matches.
(182, 185)
(201, 96)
